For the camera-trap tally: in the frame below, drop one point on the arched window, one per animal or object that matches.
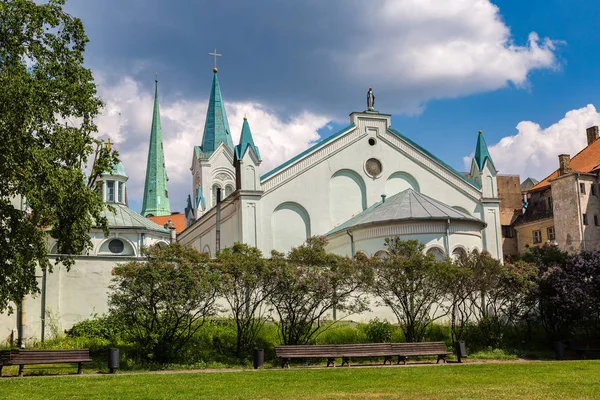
(214, 194)
(381, 254)
(437, 253)
(228, 190)
(458, 252)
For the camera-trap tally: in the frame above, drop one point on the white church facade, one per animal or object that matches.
(357, 187)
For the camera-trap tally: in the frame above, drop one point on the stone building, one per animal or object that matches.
(509, 191)
(564, 208)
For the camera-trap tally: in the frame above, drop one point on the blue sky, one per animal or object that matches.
(526, 73)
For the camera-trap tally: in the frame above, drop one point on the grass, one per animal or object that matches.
(527, 380)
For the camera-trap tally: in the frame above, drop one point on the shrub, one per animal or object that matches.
(378, 331)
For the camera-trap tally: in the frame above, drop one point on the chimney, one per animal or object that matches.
(564, 164)
(592, 134)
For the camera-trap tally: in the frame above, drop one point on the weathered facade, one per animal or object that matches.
(564, 209)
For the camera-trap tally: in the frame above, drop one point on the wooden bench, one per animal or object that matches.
(583, 347)
(406, 350)
(31, 357)
(348, 351)
(333, 351)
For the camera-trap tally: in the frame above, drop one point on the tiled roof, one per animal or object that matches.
(587, 160)
(124, 217)
(177, 219)
(405, 206)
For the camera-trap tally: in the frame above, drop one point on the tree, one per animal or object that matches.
(310, 283)
(247, 282)
(166, 299)
(48, 104)
(412, 284)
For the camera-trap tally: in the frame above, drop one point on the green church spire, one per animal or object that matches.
(216, 127)
(156, 193)
(481, 152)
(246, 142)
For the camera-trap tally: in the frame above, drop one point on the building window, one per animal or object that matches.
(110, 190)
(537, 237)
(585, 221)
(551, 235)
(508, 231)
(594, 189)
(215, 188)
(116, 246)
(596, 219)
(582, 188)
(228, 190)
(120, 192)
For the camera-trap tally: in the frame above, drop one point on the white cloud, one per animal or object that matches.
(127, 119)
(424, 49)
(534, 150)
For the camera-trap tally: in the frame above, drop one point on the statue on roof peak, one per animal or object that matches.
(370, 100)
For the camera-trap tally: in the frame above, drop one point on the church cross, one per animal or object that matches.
(215, 55)
(108, 143)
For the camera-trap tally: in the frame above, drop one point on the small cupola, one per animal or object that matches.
(112, 186)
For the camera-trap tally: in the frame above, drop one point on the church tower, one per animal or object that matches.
(247, 161)
(156, 192)
(212, 163)
(484, 173)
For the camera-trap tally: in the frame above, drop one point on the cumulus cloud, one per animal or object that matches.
(127, 119)
(320, 55)
(533, 151)
(431, 49)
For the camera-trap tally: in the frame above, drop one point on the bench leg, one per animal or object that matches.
(285, 362)
(331, 361)
(386, 359)
(345, 360)
(80, 369)
(21, 370)
(401, 358)
(1, 369)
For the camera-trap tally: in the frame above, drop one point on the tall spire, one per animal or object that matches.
(481, 152)
(156, 195)
(216, 127)
(246, 142)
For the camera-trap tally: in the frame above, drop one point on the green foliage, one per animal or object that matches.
(48, 104)
(487, 332)
(378, 331)
(309, 284)
(343, 333)
(246, 284)
(412, 284)
(164, 300)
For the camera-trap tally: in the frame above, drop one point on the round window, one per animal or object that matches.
(372, 141)
(116, 246)
(373, 167)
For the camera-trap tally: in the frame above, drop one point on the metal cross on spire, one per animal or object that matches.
(215, 55)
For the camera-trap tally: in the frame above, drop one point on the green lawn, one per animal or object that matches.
(531, 380)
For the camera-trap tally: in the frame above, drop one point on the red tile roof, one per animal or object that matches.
(587, 160)
(177, 219)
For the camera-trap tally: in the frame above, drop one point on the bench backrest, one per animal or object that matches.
(47, 356)
(422, 348)
(334, 350)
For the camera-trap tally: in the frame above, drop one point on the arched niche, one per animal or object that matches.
(290, 226)
(399, 182)
(206, 250)
(347, 196)
(250, 178)
(116, 246)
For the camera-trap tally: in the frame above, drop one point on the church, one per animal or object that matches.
(356, 187)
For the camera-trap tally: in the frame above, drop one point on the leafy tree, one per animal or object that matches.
(166, 299)
(47, 107)
(412, 284)
(247, 282)
(310, 283)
